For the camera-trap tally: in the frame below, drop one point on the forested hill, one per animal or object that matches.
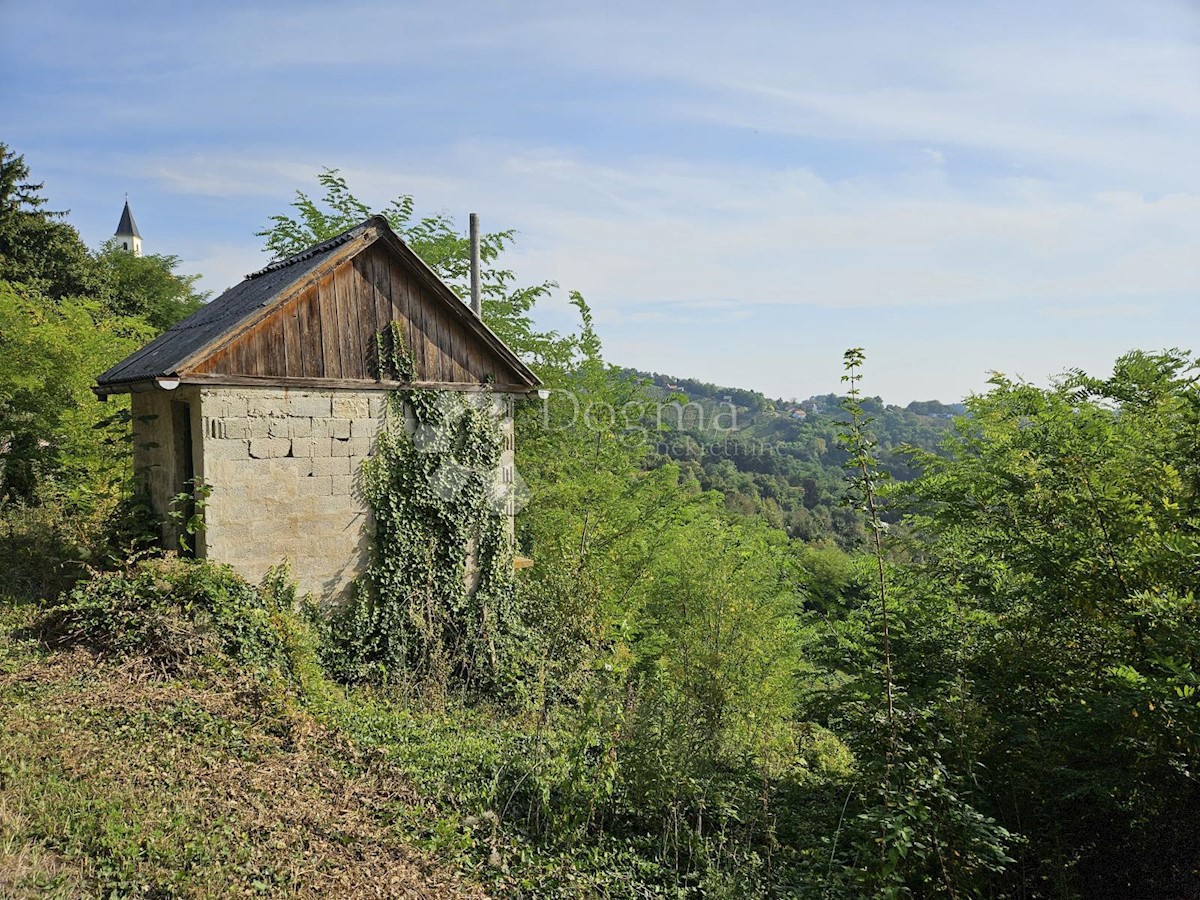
(780, 460)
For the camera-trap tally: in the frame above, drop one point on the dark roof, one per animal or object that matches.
(165, 353)
(127, 225)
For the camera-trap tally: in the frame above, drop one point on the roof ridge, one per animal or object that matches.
(309, 253)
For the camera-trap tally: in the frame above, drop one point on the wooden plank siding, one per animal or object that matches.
(328, 331)
(330, 338)
(289, 320)
(312, 362)
(363, 292)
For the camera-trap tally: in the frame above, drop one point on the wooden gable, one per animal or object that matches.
(325, 329)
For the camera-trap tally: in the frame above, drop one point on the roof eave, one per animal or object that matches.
(464, 312)
(136, 385)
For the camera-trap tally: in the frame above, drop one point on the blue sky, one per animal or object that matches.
(741, 191)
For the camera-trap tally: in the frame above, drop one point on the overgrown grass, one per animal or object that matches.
(118, 778)
(517, 805)
(166, 731)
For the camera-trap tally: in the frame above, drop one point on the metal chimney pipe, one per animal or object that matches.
(476, 303)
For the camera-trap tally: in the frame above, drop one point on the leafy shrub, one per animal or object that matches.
(48, 546)
(922, 835)
(42, 549)
(183, 615)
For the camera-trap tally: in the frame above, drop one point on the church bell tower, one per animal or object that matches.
(127, 235)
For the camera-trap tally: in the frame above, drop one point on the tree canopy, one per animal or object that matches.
(147, 286)
(66, 315)
(37, 245)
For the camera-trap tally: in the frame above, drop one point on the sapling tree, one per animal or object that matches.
(858, 442)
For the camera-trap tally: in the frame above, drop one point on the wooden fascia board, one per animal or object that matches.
(216, 380)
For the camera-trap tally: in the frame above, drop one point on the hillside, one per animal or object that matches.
(781, 461)
(117, 780)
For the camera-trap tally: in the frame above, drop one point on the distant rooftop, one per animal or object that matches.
(127, 225)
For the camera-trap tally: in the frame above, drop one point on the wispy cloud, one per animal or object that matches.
(701, 169)
(657, 232)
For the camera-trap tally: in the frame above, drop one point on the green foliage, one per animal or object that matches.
(538, 806)
(720, 661)
(915, 827)
(1069, 517)
(186, 511)
(920, 835)
(395, 359)
(664, 636)
(781, 462)
(436, 606)
(706, 709)
(288, 236)
(65, 474)
(60, 439)
(65, 464)
(147, 287)
(864, 479)
(1045, 626)
(38, 247)
(183, 616)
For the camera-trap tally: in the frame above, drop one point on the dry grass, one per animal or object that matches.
(116, 781)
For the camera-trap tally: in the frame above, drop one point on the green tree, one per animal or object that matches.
(434, 238)
(59, 441)
(147, 286)
(1050, 622)
(38, 246)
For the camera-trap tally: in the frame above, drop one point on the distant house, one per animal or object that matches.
(273, 395)
(797, 413)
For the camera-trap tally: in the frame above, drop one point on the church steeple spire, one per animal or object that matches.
(127, 233)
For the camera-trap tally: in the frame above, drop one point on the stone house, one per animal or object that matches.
(273, 394)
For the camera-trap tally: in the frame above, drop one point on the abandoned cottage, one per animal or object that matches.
(273, 395)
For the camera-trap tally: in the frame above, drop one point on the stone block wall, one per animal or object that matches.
(284, 468)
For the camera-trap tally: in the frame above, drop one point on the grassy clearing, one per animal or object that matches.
(116, 781)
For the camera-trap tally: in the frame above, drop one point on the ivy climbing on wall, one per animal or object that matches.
(395, 360)
(436, 607)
